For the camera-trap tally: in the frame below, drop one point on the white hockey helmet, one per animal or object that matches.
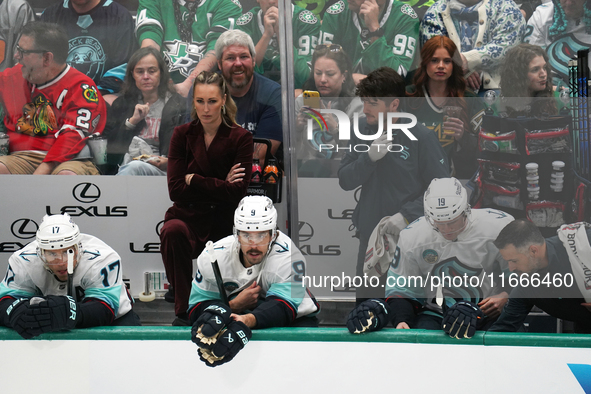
(255, 213)
(57, 232)
(445, 200)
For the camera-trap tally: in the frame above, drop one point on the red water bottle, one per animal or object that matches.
(257, 172)
(271, 172)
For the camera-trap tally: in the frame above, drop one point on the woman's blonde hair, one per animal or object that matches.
(211, 78)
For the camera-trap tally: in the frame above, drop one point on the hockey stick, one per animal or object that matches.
(217, 273)
(71, 273)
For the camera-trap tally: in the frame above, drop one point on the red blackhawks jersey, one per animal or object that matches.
(54, 117)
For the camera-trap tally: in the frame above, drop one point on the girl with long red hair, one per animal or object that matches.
(439, 83)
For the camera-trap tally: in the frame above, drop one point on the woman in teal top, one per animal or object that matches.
(439, 83)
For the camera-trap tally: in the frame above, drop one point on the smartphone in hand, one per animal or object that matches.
(312, 99)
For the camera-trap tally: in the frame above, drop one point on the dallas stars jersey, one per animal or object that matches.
(98, 275)
(423, 252)
(156, 20)
(305, 27)
(53, 117)
(279, 275)
(395, 49)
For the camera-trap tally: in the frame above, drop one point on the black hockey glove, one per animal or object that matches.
(228, 344)
(209, 324)
(461, 319)
(21, 321)
(370, 315)
(55, 313)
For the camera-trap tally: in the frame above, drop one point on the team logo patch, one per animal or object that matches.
(230, 286)
(308, 17)
(406, 9)
(244, 19)
(38, 118)
(430, 256)
(336, 8)
(87, 55)
(404, 153)
(182, 57)
(89, 93)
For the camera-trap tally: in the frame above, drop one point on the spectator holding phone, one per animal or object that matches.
(331, 78)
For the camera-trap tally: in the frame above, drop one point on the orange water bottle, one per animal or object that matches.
(257, 172)
(271, 172)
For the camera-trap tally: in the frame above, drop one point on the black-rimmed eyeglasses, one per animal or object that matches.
(23, 52)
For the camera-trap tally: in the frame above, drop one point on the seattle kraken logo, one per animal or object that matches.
(453, 268)
(86, 54)
(561, 51)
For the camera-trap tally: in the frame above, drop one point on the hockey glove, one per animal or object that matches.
(55, 313)
(370, 315)
(209, 324)
(228, 344)
(21, 321)
(461, 319)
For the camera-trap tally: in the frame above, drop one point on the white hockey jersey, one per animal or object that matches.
(280, 274)
(98, 275)
(424, 258)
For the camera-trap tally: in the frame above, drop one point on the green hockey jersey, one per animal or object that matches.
(305, 27)
(156, 20)
(396, 48)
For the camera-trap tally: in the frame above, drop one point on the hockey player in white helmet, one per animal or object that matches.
(451, 240)
(262, 274)
(36, 296)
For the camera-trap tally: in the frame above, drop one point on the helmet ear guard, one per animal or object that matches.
(445, 200)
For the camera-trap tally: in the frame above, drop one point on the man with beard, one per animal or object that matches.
(258, 98)
(261, 272)
(185, 32)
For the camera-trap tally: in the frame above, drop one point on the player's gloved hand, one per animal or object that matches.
(55, 313)
(370, 315)
(228, 344)
(209, 324)
(394, 226)
(379, 148)
(461, 319)
(20, 320)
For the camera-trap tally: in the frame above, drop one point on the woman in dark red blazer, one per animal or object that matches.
(209, 168)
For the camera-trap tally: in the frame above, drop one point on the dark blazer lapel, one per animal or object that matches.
(221, 143)
(196, 147)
